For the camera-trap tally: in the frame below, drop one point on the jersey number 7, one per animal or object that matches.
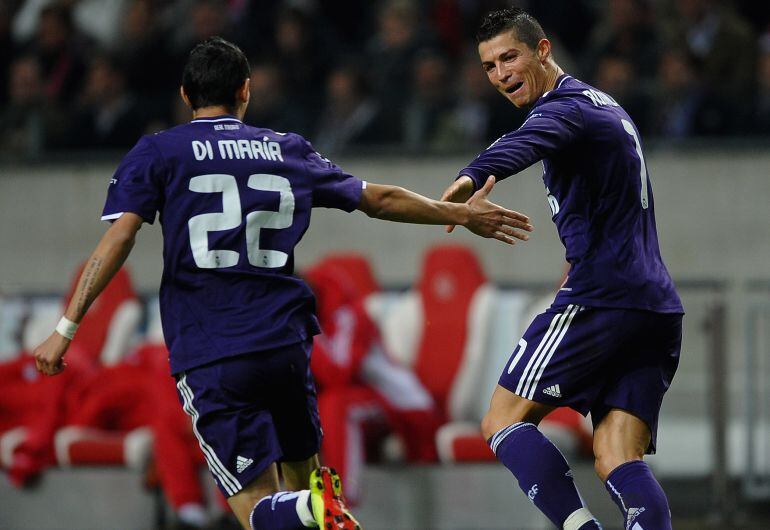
(628, 126)
(230, 218)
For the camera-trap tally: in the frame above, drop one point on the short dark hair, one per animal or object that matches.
(528, 29)
(214, 72)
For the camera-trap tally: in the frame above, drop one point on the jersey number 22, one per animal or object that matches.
(230, 218)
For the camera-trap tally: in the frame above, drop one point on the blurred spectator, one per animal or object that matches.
(627, 33)
(304, 57)
(304, 38)
(200, 19)
(446, 16)
(97, 19)
(391, 52)
(143, 49)
(678, 97)
(469, 119)
(570, 22)
(479, 114)
(723, 47)
(431, 100)
(616, 76)
(762, 105)
(58, 48)
(30, 122)
(108, 116)
(7, 51)
(352, 22)
(269, 105)
(350, 114)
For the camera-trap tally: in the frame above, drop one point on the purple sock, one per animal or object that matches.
(543, 475)
(639, 496)
(285, 510)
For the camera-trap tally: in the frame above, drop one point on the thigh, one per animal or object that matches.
(560, 359)
(640, 375)
(251, 411)
(293, 405)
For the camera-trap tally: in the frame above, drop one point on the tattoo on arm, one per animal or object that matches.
(86, 288)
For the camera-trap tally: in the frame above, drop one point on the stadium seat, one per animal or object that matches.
(104, 337)
(358, 269)
(462, 441)
(106, 332)
(441, 330)
(84, 446)
(9, 441)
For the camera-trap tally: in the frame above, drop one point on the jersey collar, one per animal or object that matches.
(215, 119)
(559, 82)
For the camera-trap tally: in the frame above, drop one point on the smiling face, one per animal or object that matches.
(521, 74)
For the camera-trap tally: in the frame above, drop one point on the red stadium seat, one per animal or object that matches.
(357, 267)
(441, 330)
(84, 446)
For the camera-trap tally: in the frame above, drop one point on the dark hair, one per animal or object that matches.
(214, 72)
(528, 30)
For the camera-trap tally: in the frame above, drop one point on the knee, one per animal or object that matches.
(489, 426)
(492, 423)
(606, 462)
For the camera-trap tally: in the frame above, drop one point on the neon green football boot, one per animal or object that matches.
(328, 503)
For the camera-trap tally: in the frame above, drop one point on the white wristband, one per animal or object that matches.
(66, 328)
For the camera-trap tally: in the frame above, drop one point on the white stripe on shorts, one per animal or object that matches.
(552, 350)
(228, 481)
(521, 388)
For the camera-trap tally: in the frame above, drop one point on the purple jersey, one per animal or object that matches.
(599, 193)
(234, 201)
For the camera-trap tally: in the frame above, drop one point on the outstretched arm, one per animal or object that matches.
(108, 256)
(478, 214)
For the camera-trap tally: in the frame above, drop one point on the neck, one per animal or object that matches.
(553, 71)
(217, 110)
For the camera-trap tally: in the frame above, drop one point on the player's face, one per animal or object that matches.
(516, 71)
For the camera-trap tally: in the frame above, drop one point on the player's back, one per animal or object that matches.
(234, 201)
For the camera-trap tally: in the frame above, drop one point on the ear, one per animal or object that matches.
(543, 50)
(244, 92)
(184, 97)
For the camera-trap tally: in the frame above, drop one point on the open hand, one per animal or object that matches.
(459, 191)
(492, 221)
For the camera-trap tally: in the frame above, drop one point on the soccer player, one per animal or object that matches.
(609, 344)
(234, 201)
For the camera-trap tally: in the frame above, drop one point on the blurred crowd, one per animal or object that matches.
(94, 74)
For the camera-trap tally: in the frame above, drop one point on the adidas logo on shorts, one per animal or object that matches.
(241, 463)
(552, 390)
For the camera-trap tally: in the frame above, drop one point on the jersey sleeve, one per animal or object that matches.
(332, 187)
(548, 129)
(137, 185)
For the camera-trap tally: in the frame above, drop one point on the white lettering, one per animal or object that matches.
(245, 149)
(552, 202)
(199, 150)
(275, 151)
(532, 493)
(228, 149)
(238, 150)
(256, 147)
(266, 150)
(600, 98)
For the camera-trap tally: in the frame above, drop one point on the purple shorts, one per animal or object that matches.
(252, 410)
(597, 359)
